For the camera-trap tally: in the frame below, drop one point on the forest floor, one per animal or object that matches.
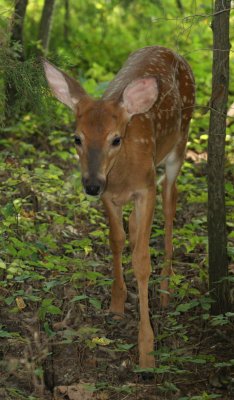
(58, 340)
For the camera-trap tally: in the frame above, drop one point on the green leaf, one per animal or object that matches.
(79, 298)
(39, 372)
(96, 303)
(48, 329)
(9, 300)
(53, 310)
(9, 209)
(125, 346)
(92, 275)
(187, 306)
(5, 334)
(2, 264)
(48, 307)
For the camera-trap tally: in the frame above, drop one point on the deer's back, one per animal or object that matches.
(173, 109)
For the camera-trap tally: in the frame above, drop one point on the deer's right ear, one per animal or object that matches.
(66, 89)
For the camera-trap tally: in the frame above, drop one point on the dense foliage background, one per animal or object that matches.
(54, 254)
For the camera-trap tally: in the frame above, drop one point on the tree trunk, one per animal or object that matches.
(66, 20)
(180, 5)
(218, 260)
(17, 25)
(46, 23)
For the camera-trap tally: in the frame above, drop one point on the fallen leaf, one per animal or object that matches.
(20, 303)
(195, 157)
(231, 268)
(73, 392)
(102, 341)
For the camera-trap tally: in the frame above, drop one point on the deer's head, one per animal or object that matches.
(101, 124)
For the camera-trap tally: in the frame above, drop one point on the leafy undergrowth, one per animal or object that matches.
(57, 338)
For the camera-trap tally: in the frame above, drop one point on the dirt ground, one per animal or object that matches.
(72, 368)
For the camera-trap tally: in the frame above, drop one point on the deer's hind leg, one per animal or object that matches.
(169, 195)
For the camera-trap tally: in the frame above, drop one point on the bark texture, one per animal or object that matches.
(218, 260)
(180, 5)
(17, 24)
(66, 19)
(46, 23)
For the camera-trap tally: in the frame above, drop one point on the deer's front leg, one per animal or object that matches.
(144, 211)
(117, 241)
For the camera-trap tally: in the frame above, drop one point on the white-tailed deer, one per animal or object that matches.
(141, 121)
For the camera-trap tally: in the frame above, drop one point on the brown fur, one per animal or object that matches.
(127, 172)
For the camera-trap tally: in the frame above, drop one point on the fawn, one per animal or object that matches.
(141, 121)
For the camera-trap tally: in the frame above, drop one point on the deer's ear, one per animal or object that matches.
(140, 95)
(65, 89)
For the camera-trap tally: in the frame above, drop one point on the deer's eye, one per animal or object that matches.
(78, 141)
(116, 141)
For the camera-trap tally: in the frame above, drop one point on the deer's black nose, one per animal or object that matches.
(92, 190)
(93, 185)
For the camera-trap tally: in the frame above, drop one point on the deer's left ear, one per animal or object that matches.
(140, 95)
